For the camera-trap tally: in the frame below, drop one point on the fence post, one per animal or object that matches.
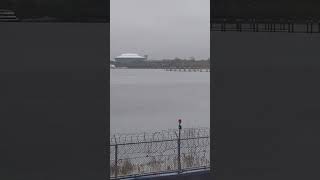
(179, 156)
(116, 160)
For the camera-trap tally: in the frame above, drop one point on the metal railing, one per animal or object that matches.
(133, 155)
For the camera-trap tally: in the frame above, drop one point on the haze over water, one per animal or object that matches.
(153, 100)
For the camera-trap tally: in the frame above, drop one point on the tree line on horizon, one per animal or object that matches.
(60, 9)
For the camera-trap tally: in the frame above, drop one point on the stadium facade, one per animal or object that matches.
(130, 57)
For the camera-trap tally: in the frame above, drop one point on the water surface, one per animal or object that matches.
(153, 100)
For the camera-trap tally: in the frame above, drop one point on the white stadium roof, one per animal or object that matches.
(129, 55)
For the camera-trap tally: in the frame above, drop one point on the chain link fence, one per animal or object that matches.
(159, 152)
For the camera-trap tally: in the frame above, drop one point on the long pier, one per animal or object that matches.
(188, 69)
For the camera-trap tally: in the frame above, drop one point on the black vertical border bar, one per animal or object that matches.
(106, 78)
(107, 101)
(212, 93)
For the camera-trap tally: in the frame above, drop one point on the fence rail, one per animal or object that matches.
(160, 152)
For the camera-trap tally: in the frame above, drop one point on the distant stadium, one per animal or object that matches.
(130, 57)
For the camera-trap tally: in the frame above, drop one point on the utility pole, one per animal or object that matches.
(179, 157)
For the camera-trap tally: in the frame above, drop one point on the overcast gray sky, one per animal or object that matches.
(160, 28)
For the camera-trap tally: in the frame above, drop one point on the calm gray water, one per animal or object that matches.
(153, 100)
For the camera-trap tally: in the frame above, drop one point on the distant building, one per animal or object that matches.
(130, 57)
(112, 65)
